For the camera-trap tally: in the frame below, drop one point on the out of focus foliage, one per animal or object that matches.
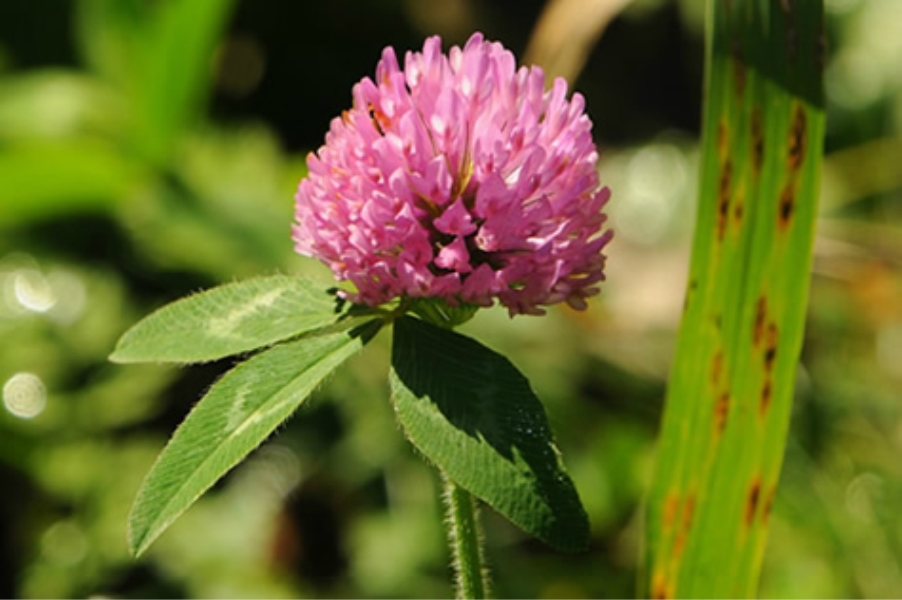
(148, 149)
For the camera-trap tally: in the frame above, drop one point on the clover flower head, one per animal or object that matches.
(459, 177)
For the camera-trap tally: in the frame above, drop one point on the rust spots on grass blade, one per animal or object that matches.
(671, 505)
(738, 212)
(721, 411)
(752, 499)
(716, 368)
(795, 156)
(786, 206)
(797, 138)
(738, 207)
(766, 395)
(660, 588)
(757, 141)
(723, 197)
(769, 358)
(760, 319)
(690, 291)
(679, 543)
(770, 351)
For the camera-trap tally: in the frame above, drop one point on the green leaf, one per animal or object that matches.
(109, 34)
(473, 414)
(54, 104)
(231, 319)
(731, 386)
(57, 178)
(177, 70)
(238, 413)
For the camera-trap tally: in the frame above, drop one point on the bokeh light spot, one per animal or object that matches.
(24, 395)
(33, 291)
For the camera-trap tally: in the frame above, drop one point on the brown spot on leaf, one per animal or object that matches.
(660, 589)
(693, 285)
(757, 141)
(751, 504)
(766, 393)
(738, 211)
(760, 318)
(738, 207)
(721, 410)
(723, 197)
(671, 502)
(688, 511)
(787, 205)
(797, 138)
(770, 351)
(716, 367)
(679, 543)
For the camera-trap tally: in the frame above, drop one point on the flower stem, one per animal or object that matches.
(465, 539)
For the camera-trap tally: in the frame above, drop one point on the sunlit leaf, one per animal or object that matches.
(729, 400)
(110, 35)
(239, 412)
(58, 178)
(54, 103)
(177, 68)
(230, 319)
(473, 414)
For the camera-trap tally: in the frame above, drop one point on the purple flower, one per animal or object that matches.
(458, 178)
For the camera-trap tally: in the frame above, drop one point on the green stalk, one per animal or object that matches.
(729, 399)
(465, 539)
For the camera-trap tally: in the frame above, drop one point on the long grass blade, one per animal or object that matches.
(728, 404)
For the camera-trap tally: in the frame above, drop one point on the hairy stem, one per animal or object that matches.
(465, 539)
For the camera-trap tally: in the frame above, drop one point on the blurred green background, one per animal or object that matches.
(149, 149)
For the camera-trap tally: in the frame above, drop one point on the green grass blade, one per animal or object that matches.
(178, 65)
(108, 34)
(43, 179)
(728, 404)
